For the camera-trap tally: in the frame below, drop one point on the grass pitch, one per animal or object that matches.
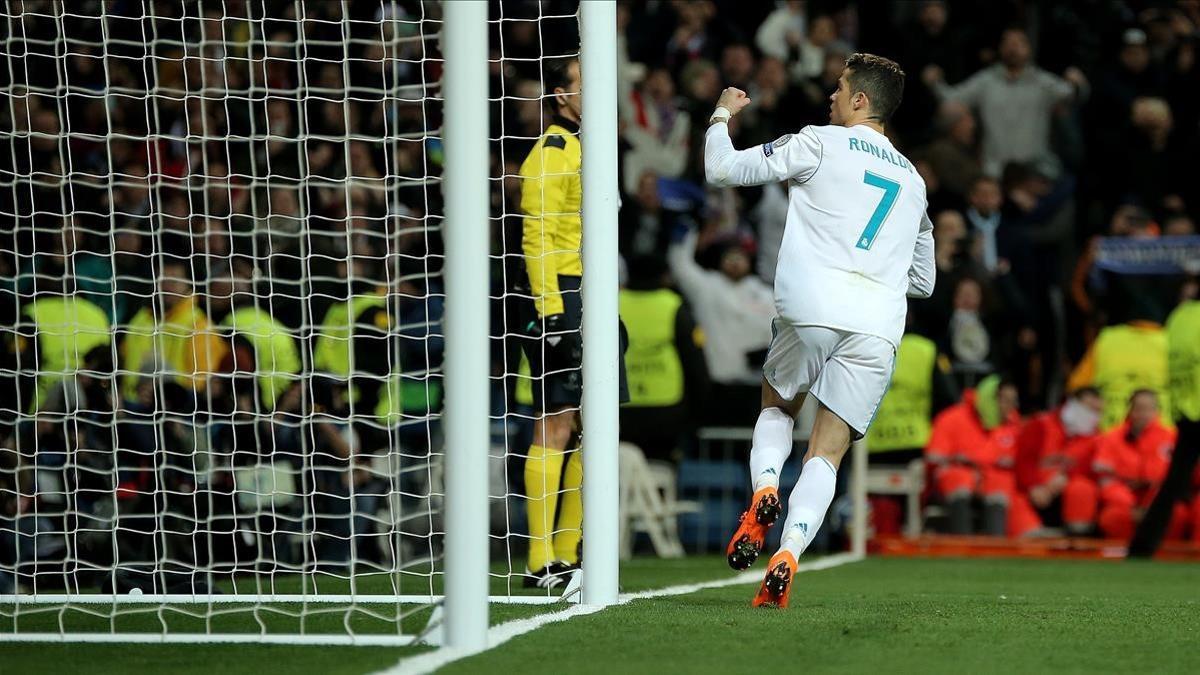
(891, 615)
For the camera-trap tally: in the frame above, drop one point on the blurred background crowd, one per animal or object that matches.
(226, 218)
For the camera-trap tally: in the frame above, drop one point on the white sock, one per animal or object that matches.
(771, 448)
(808, 503)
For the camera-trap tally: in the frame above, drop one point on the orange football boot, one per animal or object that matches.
(777, 584)
(753, 525)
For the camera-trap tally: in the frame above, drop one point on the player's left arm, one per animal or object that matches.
(923, 272)
(789, 156)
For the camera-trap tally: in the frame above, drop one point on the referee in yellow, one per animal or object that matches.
(549, 320)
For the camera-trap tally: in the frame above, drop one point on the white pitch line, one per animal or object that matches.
(498, 635)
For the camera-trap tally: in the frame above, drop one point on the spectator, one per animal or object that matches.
(658, 134)
(952, 155)
(983, 213)
(1015, 100)
(735, 309)
(1035, 240)
(737, 66)
(770, 116)
(1132, 76)
(1155, 171)
(694, 37)
(783, 36)
(967, 339)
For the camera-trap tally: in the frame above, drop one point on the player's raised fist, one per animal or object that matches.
(733, 100)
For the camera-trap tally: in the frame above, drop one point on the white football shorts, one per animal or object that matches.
(848, 372)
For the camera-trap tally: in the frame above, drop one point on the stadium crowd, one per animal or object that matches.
(238, 251)
(1045, 135)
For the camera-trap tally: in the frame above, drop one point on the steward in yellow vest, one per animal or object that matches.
(1123, 359)
(904, 418)
(1183, 349)
(1183, 354)
(276, 356)
(65, 330)
(667, 375)
(183, 345)
(356, 341)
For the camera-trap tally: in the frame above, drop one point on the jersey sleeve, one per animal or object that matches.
(922, 274)
(789, 156)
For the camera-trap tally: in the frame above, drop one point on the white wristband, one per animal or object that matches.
(721, 114)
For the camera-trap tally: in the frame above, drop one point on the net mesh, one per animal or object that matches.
(220, 310)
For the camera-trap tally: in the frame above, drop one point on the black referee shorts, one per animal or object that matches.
(562, 388)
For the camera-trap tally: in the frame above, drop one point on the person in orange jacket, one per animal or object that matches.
(972, 449)
(1054, 461)
(1130, 463)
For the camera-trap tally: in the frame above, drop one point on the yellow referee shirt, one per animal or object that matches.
(551, 199)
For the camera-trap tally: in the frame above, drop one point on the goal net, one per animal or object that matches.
(221, 304)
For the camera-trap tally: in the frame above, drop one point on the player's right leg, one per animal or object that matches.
(807, 506)
(790, 367)
(771, 446)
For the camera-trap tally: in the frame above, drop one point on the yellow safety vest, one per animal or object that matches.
(1129, 358)
(1183, 342)
(332, 354)
(333, 347)
(652, 364)
(903, 419)
(67, 329)
(276, 357)
(184, 345)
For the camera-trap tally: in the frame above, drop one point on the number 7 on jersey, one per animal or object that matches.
(891, 189)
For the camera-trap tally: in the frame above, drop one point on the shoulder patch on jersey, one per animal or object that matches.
(770, 148)
(556, 141)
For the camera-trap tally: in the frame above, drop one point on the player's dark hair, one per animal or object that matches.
(880, 79)
(1085, 391)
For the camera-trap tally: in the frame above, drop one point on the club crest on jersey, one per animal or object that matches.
(769, 148)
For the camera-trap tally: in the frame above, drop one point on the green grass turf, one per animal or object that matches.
(889, 615)
(893, 615)
(636, 575)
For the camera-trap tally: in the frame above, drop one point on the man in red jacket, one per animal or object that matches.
(1054, 461)
(1131, 461)
(973, 452)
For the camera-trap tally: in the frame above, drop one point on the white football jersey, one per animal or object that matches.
(857, 239)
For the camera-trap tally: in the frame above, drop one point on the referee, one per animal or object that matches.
(1183, 345)
(548, 321)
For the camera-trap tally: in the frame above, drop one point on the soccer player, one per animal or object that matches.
(551, 200)
(857, 241)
